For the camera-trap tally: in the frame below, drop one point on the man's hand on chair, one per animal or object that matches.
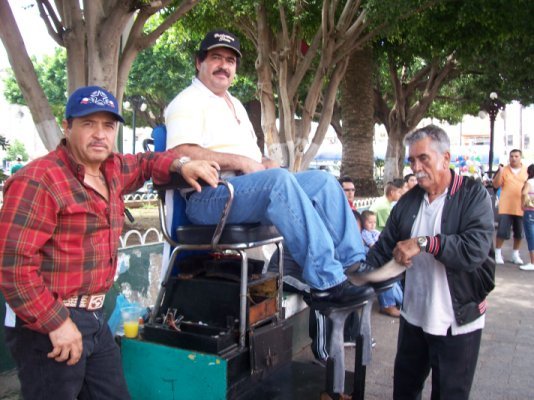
(194, 170)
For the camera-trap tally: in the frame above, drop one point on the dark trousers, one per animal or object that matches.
(453, 360)
(98, 374)
(320, 329)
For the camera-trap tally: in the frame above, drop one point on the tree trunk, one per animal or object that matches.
(277, 148)
(253, 108)
(42, 115)
(283, 64)
(92, 37)
(358, 123)
(412, 97)
(394, 162)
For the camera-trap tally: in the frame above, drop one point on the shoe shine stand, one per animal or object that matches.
(214, 334)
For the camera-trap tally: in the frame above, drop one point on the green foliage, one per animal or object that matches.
(16, 149)
(228, 15)
(379, 163)
(487, 38)
(163, 70)
(52, 75)
(3, 142)
(159, 73)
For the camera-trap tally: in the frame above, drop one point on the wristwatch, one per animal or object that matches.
(422, 241)
(183, 161)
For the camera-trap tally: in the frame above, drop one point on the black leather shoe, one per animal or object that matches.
(343, 293)
(360, 267)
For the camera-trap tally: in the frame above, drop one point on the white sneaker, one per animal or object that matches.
(498, 259)
(527, 267)
(517, 260)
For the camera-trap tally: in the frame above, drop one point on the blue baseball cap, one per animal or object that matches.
(89, 100)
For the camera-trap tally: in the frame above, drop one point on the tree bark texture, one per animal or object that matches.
(358, 122)
(27, 78)
(285, 60)
(411, 98)
(92, 36)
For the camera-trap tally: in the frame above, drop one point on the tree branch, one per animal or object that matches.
(53, 25)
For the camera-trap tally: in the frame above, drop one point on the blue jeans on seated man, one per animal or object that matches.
(308, 208)
(392, 297)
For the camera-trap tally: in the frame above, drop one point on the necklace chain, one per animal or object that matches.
(232, 108)
(94, 176)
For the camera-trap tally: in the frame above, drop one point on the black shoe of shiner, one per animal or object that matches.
(343, 293)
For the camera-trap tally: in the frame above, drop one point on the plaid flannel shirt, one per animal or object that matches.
(59, 236)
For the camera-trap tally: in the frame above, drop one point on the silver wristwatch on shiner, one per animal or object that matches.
(422, 241)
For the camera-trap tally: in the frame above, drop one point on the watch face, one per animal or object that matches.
(422, 241)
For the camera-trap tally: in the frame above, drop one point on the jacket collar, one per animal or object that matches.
(456, 182)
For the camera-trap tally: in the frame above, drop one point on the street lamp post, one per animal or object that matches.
(492, 106)
(136, 102)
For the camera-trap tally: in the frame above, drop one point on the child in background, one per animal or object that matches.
(393, 297)
(369, 232)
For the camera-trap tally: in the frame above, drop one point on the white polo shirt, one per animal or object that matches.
(427, 299)
(198, 116)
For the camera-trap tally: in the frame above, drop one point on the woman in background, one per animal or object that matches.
(527, 197)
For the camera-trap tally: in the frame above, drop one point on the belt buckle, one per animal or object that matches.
(95, 302)
(71, 302)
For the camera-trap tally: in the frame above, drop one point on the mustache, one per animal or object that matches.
(98, 143)
(222, 71)
(420, 175)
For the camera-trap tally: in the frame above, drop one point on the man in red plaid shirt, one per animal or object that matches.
(60, 222)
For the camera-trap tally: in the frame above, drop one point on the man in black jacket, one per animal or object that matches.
(442, 230)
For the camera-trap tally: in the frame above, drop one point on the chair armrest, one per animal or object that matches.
(177, 182)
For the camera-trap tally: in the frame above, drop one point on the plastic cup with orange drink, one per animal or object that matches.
(130, 320)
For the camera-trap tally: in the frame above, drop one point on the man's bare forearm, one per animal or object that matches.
(227, 161)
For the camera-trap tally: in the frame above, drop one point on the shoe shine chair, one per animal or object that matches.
(211, 333)
(213, 238)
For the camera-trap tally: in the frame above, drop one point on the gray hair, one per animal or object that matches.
(439, 138)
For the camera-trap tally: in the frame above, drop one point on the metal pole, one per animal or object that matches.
(133, 127)
(492, 115)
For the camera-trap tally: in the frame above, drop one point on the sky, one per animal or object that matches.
(36, 38)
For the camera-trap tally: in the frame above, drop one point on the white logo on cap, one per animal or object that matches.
(223, 37)
(99, 98)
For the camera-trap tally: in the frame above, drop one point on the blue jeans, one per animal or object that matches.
(528, 226)
(308, 208)
(391, 297)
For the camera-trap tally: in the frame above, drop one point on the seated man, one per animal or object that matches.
(309, 208)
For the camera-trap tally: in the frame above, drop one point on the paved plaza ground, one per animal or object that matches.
(506, 363)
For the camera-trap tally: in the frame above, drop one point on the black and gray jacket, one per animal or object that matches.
(464, 246)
